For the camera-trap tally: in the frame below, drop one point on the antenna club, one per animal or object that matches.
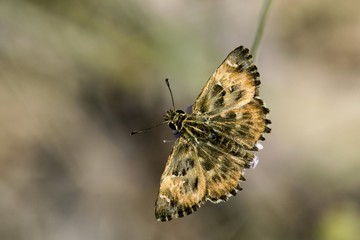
(172, 98)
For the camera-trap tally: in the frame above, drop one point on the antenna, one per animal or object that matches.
(172, 98)
(145, 129)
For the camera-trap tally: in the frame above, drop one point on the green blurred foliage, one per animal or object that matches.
(340, 222)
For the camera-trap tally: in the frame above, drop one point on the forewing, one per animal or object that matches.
(182, 184)
(233, 84)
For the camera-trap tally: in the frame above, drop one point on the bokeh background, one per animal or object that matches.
(76, 77)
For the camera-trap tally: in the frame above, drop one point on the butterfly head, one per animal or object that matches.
(175, 118)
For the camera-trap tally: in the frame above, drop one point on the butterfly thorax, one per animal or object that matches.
(175, 119)
(192, 127)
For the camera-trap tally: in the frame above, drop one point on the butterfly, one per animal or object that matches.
(215, 141)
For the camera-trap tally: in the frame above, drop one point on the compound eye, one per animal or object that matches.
(180, 111)
(172, 126)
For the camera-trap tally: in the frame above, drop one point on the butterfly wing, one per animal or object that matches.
(222, 168)
(182, 184)
(233, 84)
(195, 173)
(231, 102)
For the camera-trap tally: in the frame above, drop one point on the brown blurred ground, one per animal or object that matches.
(77, 78)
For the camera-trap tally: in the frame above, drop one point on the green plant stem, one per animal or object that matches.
(260, 29)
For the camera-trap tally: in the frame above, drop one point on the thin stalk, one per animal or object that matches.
(260, 29)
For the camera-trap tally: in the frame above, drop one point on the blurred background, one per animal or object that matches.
(76, 77)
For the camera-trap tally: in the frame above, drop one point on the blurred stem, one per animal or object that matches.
(261, 26)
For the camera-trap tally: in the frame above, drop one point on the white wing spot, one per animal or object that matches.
(164, 197)
(234, 65)
(259, 146)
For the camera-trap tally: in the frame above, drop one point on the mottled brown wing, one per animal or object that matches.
(223, 168)
(182, 184)
(233, 84)
(231, 102)
(194, 174)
